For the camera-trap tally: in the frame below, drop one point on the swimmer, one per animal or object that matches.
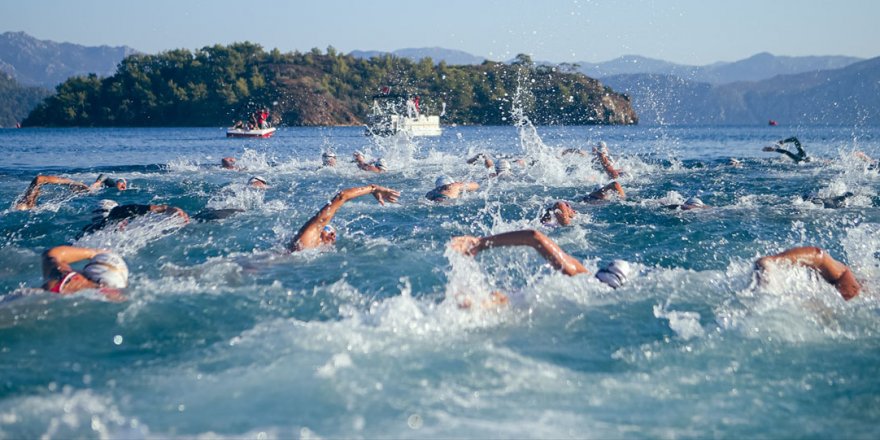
(29, 199)
(873, 164)
(328, 159)
(734, 162)
(834, 272)
(258, 182)
(689, 204)
(121, 184)
(801, 155)
(560, 213)
(446, 189)
(601, 157)
(228, 163)
(829, 202)
(487, 161)
(561, 261)
(604, 193)
(502, 169)
(377, 167)
(318, 231)
(120, 214)
(105, 270)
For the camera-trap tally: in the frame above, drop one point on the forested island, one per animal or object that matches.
(216, 85)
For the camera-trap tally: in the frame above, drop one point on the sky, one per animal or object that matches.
(692, 32)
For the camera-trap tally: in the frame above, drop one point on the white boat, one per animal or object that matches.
(255, 133)
(392, 114)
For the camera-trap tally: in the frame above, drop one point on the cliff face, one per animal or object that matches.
(617, 109)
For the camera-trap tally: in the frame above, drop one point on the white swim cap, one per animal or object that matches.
(502, 165)
(328, 154)
(104, 207)
(443, 181)
(258, 179)
(603, 147)
(381, 164)
(615, 274)
(108, 270)
(695, 202)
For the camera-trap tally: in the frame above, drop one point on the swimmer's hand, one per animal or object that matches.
(466, 244)
(180, 213)
(769, 148)
(383, 194)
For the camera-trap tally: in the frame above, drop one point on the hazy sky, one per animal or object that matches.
(683, 31)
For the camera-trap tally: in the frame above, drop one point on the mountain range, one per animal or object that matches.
(844, 96)
(790, 90)
(43, 63)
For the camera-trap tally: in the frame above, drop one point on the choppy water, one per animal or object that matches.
(226, 334)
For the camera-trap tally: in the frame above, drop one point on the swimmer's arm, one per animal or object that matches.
(56, 180)
(470, 186)
(362, 164)
(309, 234)
(791, 155)
(616, 187)
(29, 199)
(170, 211)
(793, 140)
(534, 239)
(56, 260)
(831, 270)
(487, 162)
(608, 166)
(577, 151)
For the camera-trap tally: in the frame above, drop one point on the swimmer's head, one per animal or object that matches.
(560, 212)
(382, 165)
(228, 163)
(328, 234)
(602, 147)
(615, 274)
(502, 166)
(329, 159)
(443, 181)
(258, 182)
(693, 202)
(734, 162)
(120, 184)
(107, 270)
(104, 207)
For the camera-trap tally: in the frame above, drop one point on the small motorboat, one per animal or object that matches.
(245, 133)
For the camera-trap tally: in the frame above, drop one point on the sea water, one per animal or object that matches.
(227, 334)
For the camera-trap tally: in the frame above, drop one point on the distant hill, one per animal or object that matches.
(849, 95)
(755, 68)
(44, 63)
(450, 56)
(17, 101)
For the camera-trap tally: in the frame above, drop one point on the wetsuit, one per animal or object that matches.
(216, 214)
(116, 214)
(801, 155)
(832, 202)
